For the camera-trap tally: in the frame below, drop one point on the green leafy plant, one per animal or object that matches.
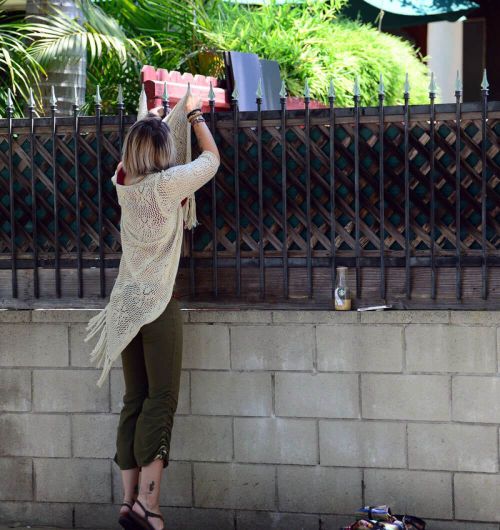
(310, 42)
(19, 69)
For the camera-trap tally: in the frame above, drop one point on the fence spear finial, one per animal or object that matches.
(32, 99)
(165, 92)
(381, 87)
(10, 103)
(258, 94)
(458, 83)
(235, 93)
(407, 84)
(97, 97)
(75, 101)
(432, 85)
(53, 99)
(211, 93)
(283, 89)
(484, 83)
(120, 94)
(331, 90)
(307, 91)
(356, 86)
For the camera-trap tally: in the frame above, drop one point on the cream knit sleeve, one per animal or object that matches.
(178, 182)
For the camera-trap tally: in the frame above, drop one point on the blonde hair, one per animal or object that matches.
(148, 147)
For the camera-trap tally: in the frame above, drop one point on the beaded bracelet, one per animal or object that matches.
(193, 111)
(198, 119)
(198, 113)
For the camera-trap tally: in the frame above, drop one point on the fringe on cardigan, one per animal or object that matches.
(98, 355)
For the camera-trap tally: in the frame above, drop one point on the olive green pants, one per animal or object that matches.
(152, 370)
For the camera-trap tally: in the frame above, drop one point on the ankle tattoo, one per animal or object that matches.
(151, 486)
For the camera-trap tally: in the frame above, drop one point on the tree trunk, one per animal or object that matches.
(63, 75)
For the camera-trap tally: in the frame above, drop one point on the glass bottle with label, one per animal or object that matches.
(342, 292)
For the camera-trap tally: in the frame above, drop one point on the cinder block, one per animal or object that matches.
(438, 348)
(15, 315)
(175, 486)
(360, 348)
(453, 447)
(17, 479)
(424, 493)
(362, 443)
(272, 347)
(244, 316)
(275, 440)
(118, 390)
(94, 435)
(234, 486)
(16, 390)
(250, 520)
(477, 497)
(33, 435)
(51, 514)
(33, 345)
(205, 346)
(286, 316)
(476, 399)
(80, 350)
(231, 393)
(317, 395)
(316, 489)
(72, 480)
(69, 391)
(202, 438)
(199, 518)
(418, 316)
(98, 516)
(405, 397)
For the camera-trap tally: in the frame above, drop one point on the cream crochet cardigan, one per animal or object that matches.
(152, 223)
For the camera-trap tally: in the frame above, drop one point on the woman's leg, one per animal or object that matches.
(134, 371)
(162, 345)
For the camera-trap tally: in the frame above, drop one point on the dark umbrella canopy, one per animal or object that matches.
(403, 13)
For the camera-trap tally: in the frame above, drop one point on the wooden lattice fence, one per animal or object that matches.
(311, 178)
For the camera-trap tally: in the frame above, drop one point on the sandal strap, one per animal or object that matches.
(147, 512)
(127, 504)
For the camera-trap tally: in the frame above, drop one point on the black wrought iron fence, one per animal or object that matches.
(406, 196)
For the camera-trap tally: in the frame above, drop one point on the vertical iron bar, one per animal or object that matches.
(284, 200)
(260, 190)
(307, 100)
(99, 189)
(331, 138)
(356, 185)
(12, 201)
(432, 184)
(55, 187)
(458, 184)
(121, 110)
(31, 112)
(237, 187)
(211, 101)
(76, 143)
(484, 177)
(381, 128)
(407, 188)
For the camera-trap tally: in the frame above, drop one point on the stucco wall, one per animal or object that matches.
(286, 419)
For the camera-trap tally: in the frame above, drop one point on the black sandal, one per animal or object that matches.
(142, 522)
(125, 521)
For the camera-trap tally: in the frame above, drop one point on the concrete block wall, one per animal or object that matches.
(287, 420)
